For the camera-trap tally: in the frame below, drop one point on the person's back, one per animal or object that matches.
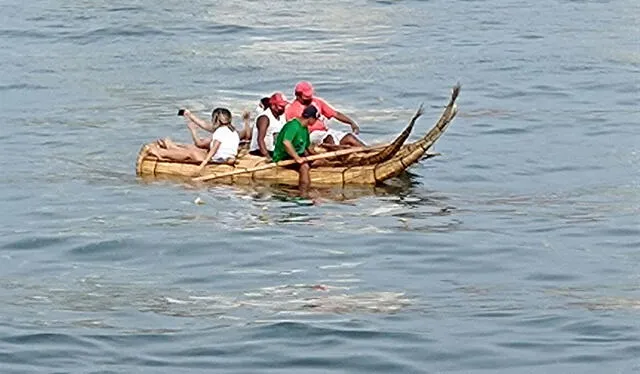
(294, 132)
(293, 142)
(229, 142)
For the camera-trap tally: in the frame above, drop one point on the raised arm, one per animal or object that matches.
(199, 142)
(202, 124)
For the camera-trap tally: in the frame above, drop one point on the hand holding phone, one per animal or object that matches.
(181, 112)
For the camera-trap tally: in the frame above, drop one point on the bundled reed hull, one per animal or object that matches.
(363, 175)
(337, 174)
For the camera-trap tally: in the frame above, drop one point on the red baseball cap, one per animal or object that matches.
(305, 89)
(278, 99)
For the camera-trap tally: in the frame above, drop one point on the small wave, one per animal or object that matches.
(22, 86)
(115, 250)
(507, 131)
(531, 36)
(280, 328)
(111, 33)
(226, 29)
(47, 338)
(37, 242)
(125, 9)
(493, 113)
(26, 34)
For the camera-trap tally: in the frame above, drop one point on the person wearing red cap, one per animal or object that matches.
(268, 125)
(319, 132)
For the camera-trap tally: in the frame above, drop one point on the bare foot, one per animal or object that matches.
(169, 144)
(155, 151)
(145, 152)
(160, 143)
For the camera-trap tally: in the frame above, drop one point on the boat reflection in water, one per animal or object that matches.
(399, 186)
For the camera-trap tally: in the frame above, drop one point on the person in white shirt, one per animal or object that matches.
(220, 147)
(268, 125)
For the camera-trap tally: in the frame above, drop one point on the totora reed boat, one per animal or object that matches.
(362, 166)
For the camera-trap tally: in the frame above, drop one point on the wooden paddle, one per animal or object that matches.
(320, 156)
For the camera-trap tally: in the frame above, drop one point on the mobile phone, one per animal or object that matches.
(181, 112)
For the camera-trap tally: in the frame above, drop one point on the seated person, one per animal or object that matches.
(268, 125)
(221, 147)
(193, 121)
(293, 143)
(319, 131)
(263, 104)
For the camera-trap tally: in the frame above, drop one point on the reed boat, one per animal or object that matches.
(369, 166)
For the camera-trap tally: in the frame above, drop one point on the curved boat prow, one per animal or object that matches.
(390, 150)
(437, 130)
(364, 168)
(412, 153)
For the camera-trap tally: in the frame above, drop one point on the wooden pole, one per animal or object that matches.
(320, 156)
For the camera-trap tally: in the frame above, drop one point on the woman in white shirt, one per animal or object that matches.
(220, 147)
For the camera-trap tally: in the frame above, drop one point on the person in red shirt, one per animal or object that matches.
(319, 131)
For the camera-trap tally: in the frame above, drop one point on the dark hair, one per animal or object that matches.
(264, 102)
(310, 112)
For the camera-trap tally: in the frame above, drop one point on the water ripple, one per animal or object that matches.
(515, 250)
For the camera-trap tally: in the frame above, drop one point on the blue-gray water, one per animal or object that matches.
(515, 251)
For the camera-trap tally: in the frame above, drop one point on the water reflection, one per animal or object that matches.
(595, 298)
(401, 187)
(94, 295)
(400, 204)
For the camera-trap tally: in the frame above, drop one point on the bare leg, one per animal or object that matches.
(321, 162)
(203, 143)
(182, 147)
(328, 140)
(245, 133)
(191, 153)
(334, 147)
(170, 144)
(199, 142)
(304, 179)
(351, 141)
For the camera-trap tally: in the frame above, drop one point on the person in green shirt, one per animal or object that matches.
(293, 143)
